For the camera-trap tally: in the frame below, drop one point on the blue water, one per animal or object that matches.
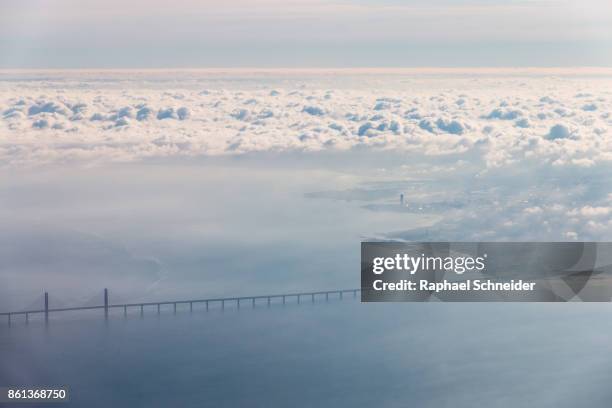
(336, 354)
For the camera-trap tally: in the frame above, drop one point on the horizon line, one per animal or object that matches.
(325, 70)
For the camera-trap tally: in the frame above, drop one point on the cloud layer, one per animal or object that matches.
(499, 119)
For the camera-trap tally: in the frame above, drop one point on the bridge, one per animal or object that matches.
(238, 301)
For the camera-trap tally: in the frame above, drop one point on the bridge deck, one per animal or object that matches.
(222, 300)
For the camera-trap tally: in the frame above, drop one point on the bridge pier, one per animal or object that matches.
(46, 307)
(106, 303)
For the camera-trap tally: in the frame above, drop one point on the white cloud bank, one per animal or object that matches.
(500, 119)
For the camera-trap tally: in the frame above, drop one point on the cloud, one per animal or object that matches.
(313, 110)
(97, 117)
(504, 114)
(13, 113)
(453, 126)
(382, 106)
(558, 132)
(40, 124)
(124, 112)
(166, 113)
(427, 125)
(182, 113)
(144, 113)
(240, 114)
(46, 107)
(363, 129)
(498, 121)
(522, 123)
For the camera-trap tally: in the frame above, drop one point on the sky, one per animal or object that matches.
(304, 33)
